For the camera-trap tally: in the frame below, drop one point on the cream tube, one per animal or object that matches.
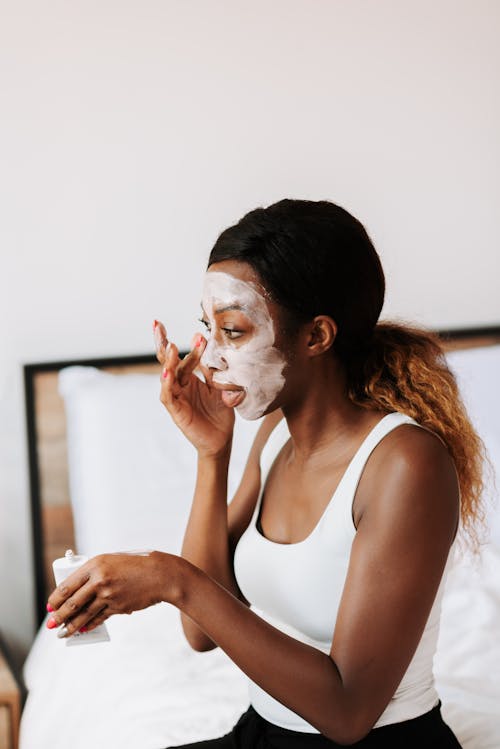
(62, 568)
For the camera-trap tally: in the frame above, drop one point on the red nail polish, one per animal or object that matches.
(165, 374)
(83, 629)
(155, 323)
(198, 341)
(49, 608)
(51, 623)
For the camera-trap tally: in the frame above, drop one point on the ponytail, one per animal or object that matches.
(404, 369)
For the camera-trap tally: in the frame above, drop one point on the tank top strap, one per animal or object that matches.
(281, 434)
(350, 480)
(346, 489)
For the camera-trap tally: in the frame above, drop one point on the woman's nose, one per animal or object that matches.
(213, 356)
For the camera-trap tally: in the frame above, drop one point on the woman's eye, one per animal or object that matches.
(232, 334)
(205, 323)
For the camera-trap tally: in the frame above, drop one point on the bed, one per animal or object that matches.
(109, 472)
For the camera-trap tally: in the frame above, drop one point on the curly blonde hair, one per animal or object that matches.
(404, 369)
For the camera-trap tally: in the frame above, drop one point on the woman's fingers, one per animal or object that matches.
(166, 392)
(82, 620)
(172, 357)
(68, 588)
(205, 372)
(168, 354)
(81, 600)
(168, 379)
(160, 339)
(96, 620)
(192, 360)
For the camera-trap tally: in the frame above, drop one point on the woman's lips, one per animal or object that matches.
(231, 395)
(232, 398)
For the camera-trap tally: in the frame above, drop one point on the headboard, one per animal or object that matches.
(51, 517)
(46, 433)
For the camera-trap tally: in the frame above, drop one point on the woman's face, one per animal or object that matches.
(241, 353)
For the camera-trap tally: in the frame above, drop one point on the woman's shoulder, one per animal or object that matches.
(413, 446)
(411, 464)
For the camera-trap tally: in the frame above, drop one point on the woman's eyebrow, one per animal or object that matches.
(228, 308)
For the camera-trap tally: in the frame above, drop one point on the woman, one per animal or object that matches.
(323, 579)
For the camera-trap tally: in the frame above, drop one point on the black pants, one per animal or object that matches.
(428, 731)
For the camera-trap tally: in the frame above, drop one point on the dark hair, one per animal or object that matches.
(315, 258)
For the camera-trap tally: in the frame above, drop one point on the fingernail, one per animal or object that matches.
(62, 632)
(155, 323)
(198, 341)
(49, 608)
(83, 629)
(51, 623)
(165, 374)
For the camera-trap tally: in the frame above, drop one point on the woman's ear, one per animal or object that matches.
(322, 334)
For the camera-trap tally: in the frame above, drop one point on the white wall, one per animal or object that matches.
(133, 132)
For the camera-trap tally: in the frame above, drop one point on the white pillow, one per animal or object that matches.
(478, 376)
(131, 470)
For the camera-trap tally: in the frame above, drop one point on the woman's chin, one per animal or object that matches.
(251, 411)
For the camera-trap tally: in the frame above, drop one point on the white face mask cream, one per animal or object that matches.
(252, 368)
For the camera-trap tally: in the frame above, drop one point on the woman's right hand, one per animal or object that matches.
(194, 405)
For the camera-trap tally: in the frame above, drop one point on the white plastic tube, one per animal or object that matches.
(63, 567)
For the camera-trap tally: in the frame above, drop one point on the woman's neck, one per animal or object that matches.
(323, 420)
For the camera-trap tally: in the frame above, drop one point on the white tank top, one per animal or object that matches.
(297, 587)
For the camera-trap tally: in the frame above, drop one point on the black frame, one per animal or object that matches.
(30, 370)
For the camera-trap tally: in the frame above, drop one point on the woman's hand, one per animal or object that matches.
(113, 584)
(195, 406)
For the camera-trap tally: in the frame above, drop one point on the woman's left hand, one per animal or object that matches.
(110, 584)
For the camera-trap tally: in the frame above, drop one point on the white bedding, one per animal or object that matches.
(467, 661)
(146, 689)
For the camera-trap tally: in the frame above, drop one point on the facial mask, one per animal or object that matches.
(255, 366)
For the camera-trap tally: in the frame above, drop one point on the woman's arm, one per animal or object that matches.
(206, 537)
(396, 564)
(214, 529)
(197, 409)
